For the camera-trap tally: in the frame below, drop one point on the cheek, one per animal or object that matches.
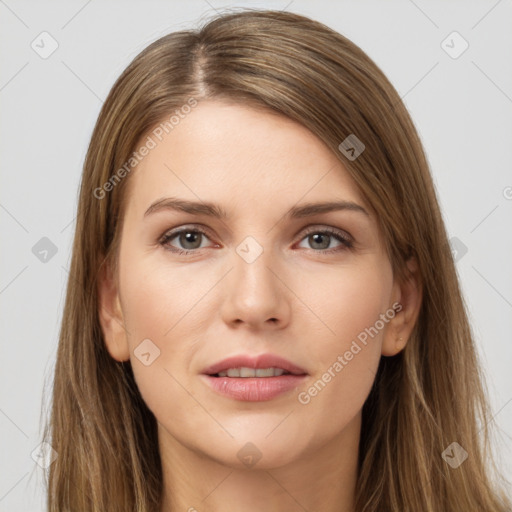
(352, 304)
(157, 299)
(346, 300)
(163, 307)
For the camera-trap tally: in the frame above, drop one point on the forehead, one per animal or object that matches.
(241, 157)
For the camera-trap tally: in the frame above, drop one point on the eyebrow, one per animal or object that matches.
(213, 210)
(182, 205)
(309, 209)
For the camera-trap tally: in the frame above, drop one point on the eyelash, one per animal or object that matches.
(345, 240)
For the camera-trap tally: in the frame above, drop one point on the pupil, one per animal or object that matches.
(190, 238)
(317, 240)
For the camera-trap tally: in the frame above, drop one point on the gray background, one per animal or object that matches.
(462, 107)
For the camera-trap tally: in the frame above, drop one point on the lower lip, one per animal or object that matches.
(254, 389)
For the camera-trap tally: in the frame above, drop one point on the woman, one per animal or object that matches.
(263, 313)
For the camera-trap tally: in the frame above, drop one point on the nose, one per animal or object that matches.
(255, 295)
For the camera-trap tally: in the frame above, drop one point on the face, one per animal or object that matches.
(220, 258)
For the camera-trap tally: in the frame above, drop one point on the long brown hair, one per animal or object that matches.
(425, 398)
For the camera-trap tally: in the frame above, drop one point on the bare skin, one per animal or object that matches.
(305, 298)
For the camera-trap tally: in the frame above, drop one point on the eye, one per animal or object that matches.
(188, 240)
(321, 240)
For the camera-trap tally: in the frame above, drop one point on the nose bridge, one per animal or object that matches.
(255, 295)
(252, 264)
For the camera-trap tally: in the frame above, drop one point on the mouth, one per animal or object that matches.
(245, 373)
(254, 379)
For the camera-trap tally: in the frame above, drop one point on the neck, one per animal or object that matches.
(323, 479)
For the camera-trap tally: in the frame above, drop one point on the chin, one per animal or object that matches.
(261, 450)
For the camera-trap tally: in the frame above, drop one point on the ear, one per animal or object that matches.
(407, 297)
(111, 315)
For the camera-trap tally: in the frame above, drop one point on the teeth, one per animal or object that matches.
(251, 372)
(247, 372)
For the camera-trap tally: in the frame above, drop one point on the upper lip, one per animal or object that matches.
(261, 361)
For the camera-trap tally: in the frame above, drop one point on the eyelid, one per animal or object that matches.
(186, 227)
(320, 228)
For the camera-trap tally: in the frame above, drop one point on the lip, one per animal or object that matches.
(254, 389)
(250, 389)
(261, 361)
